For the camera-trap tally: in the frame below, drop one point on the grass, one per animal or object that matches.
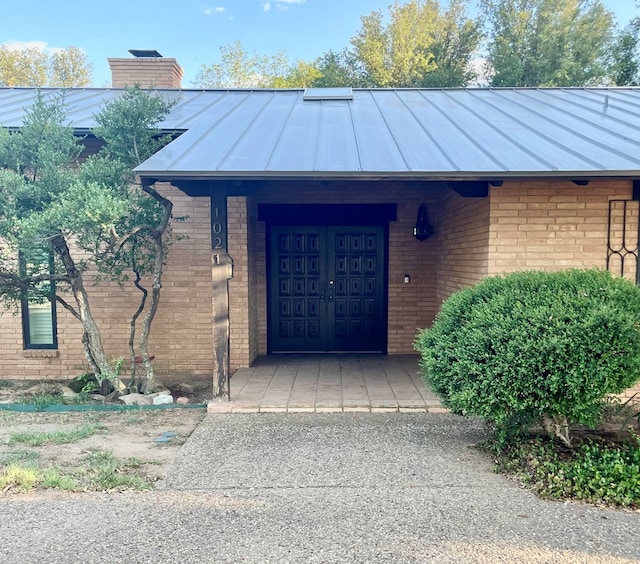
(41, 399)
(58, 437)
(99, 470)
(52, 479)
(20, 456)
(19, 478)
(106, 472)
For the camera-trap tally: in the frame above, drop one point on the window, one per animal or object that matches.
(38, 309)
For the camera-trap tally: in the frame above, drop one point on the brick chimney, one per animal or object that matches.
(147, 69)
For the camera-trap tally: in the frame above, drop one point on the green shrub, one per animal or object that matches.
(532, 345)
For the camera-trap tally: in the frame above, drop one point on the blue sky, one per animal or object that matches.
(192, 30)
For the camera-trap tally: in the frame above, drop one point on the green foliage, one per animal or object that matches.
(240, 69)
(529, 345)
(32, 66)
(421, 45)
(51, 478)
(339, 68)
(547, 42)
(129, 126)
(36, 169)
(625, 68)
(41, 399)
(593, 472)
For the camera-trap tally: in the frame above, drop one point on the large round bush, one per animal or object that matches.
(535, 344)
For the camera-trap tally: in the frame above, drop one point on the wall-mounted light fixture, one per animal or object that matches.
(422, 230)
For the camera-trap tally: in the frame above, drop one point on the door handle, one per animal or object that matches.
(331, 290)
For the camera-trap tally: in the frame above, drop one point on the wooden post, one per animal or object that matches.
(221, 273)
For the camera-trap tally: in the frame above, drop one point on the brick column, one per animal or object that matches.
(239, 294)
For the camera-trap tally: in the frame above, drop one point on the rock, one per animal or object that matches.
(185, 388)
(158, 394)
(136, 399)
(67, 392)
(163, 399)
(182, 401)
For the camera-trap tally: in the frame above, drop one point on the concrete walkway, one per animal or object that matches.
(329, 384)
(384, 488)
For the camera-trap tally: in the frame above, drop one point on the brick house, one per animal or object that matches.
(350, 215)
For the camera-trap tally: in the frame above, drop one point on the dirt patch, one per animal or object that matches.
(140, 442)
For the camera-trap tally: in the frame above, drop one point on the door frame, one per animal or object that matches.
(327, 215)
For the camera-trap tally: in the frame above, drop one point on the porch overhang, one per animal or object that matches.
(475, 185)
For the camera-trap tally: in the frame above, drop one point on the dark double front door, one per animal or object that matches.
(327, 289)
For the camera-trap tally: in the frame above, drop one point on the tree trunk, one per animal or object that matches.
(158, 265)
(558, 426)
(134, 319)
(148, 318)
(92, 340)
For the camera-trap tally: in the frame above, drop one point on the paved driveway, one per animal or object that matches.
(321, 488)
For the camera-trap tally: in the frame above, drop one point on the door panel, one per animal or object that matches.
(327, 289)
(298, 315)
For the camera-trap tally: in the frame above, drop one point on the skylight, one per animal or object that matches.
(328, 94)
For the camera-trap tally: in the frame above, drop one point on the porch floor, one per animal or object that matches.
(329, 383)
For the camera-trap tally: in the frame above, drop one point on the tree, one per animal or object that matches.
(68, 68)
(421, 45)
(299, 75)
(547, 42)
(240, 69)
(338, 69)
(625, 68)
(140, 239)
(32, 66)
(88, 217)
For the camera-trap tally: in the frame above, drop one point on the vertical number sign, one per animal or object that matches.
(219, 224)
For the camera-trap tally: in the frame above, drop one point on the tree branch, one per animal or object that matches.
(66, 305)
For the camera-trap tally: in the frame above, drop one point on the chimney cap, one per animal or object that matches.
(145, 53)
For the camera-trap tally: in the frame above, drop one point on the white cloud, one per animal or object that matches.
(207, 11)
(281, 5)
(14, 45)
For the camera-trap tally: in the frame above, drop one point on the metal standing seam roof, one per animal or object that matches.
(406, 133)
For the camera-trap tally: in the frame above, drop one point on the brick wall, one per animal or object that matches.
(158, 72)
(463, 243)
(550, 225)
(181, 335)
(240, 315)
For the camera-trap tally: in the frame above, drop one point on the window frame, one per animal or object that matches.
(24, 301)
